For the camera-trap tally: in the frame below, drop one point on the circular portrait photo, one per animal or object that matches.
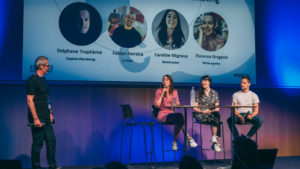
(80, 23)
(170, 29)
(210, 31)
(127, 26)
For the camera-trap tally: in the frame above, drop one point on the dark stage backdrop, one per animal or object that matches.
(88, 123)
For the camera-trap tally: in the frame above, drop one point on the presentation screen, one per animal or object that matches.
(140, 40)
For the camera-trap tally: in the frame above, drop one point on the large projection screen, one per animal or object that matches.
(140, 40)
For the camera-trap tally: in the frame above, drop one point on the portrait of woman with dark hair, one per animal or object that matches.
(210, 31)
(169, 31)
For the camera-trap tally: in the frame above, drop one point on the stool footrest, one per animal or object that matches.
(173, 150)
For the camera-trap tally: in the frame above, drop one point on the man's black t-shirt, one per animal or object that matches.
(126, 38)
(38, 87)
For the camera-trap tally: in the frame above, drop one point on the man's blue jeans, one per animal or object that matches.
(257, 121)
(39, 135)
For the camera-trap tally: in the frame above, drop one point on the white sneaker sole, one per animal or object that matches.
(193, 146)
(213, 146)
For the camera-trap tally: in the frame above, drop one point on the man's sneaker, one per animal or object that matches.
(214, 139)
(174, 146)
(217, 147)
(192, 143)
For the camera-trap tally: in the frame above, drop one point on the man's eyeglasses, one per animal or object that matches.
(46, 65)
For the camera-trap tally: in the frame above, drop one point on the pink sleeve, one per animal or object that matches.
(157, 96)
(177, 97)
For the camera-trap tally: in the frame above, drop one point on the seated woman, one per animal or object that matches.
(166, 95)
(208, 97)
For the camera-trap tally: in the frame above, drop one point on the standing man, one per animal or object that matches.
(245, 97)
(40, 114)
(126, 35)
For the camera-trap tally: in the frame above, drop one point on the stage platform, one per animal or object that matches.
(280, 163)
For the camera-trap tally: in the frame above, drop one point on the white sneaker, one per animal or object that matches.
(192, 143)
(217, 147)
(174, 146)
(214, 139)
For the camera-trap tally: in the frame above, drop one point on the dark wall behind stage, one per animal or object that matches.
(88, 116)
(88, 123)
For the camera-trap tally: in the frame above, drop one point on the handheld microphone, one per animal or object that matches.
(32, 124)
(165, 93)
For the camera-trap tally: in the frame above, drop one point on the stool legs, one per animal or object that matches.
(121, 142)
(152, 145)
(223, 140)
(162, 145)
(256, 138)
(153, 151)
(130, 144)
(200, 133)
(145, 144)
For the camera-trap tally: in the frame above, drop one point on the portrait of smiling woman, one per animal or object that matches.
(172, 30)
(210, 31)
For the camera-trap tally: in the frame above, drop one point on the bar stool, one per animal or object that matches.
(155, 111)
(200, 129)
(248, 123)
(128, 120)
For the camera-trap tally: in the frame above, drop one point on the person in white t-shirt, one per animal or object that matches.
(245, 97)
